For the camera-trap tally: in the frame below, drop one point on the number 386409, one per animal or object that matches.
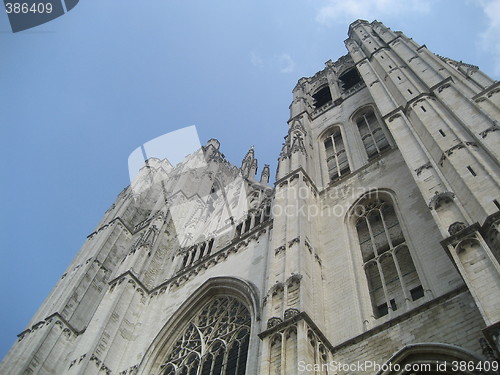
(18, 8)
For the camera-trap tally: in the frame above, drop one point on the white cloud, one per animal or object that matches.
(287, 65)
(349, 10)
(489, 37)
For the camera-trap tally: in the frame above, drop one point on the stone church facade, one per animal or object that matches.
(378, 244)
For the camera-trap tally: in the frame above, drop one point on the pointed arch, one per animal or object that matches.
(424, 356)
(296, 136)
(188, 341)
(335, 153)
(392, 278)
(349, 77)
(322, 95)
(372, 131)
(290, 350)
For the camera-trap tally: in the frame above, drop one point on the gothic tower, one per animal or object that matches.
(378, 245)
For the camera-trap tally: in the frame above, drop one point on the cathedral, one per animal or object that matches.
(375, 251)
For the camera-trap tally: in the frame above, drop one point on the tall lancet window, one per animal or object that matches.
(214, 343)
(372, 134)
(336, 155)
(392, 278)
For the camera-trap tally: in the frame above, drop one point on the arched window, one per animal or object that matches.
(349, 79)
(322, 96)
(214, 343)
(435, 359)
(336, 155)
(372, 135)
(389, 268)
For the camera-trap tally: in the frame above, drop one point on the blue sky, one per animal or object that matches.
(80, 93)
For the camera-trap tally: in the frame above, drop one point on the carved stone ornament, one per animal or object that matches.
(273, 322)
(293, 241)
(439, 198)
(412, 58)
(295, 278)
(459, 146)
(486, 349)
(493, 92)
(456, 227)
(393, 117)
(421, 168)
(493, 128)
(290, 313)
(442, 159)
(445, 86)
(277, 288)
(279, 249)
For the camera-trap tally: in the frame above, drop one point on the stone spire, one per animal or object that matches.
(264, 176)
(249, 164)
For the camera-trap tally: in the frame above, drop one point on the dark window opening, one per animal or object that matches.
(496, 203)
(185, 260)
(349, 79)
(393, 305)
(193, 255)
(322, 96)
(384, 310)
(471, 171)
(238, 230)
(442, 133)
(203, 247)
(410, 92)
(248, 223)
(257, 219)
(423, 109)
(399, 78)
(417, 293)
(210, 246)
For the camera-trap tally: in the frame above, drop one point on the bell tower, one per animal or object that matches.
(439, 112)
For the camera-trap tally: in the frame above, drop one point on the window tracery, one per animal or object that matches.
(336, 155)
(389, 268)
(214, 343)
(372, 134)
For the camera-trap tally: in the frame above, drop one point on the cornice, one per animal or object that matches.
(398, 319)
(55, 316)
(488, 92)
(116, 219)
(294, 173)
(294, 319)
(372, 162)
